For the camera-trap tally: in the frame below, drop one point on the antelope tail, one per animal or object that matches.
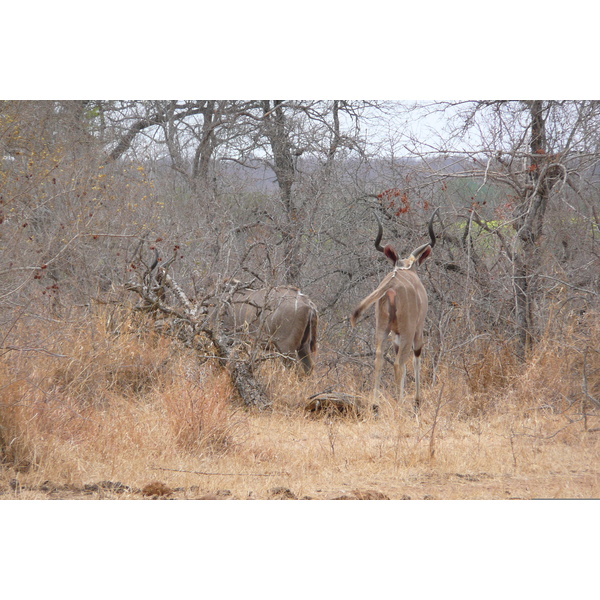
(370, 299)
(310, 332)
(308, 346)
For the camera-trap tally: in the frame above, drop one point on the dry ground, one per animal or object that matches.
(292, 456)
(127, 417)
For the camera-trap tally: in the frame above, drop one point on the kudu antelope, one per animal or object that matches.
(401, 306)
(283, 317)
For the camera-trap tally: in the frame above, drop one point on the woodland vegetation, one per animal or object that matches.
(98, 384)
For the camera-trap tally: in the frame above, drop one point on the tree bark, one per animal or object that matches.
(525, 278)
(285, 172)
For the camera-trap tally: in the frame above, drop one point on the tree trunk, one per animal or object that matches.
(204, 151)
(285, 172)
(530, 226)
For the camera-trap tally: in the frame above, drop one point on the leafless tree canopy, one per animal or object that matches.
(282, 192)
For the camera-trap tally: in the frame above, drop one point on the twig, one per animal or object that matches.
(223, 474)
(326, 391)
(435, 418)
(574, 287)
(42, 350)
(512, 447)
(332, 435)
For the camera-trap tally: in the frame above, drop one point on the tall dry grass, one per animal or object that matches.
(99, 394)
(104, 398)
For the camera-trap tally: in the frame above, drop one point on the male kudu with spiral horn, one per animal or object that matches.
(400, 308)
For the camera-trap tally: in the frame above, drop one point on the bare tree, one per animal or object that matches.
(518, 160)
(295, 143)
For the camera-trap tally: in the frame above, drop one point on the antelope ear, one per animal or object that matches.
(391, 254)
(421, 253)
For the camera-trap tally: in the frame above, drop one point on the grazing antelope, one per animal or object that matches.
(401, 308)
(282, 316)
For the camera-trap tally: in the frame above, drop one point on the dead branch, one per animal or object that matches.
(189, 319)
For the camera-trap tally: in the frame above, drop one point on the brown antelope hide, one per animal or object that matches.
(283, 317)
(400, 308)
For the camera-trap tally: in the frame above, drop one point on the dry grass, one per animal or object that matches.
(105, 412)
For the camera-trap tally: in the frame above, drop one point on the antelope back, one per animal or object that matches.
(279, 315)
